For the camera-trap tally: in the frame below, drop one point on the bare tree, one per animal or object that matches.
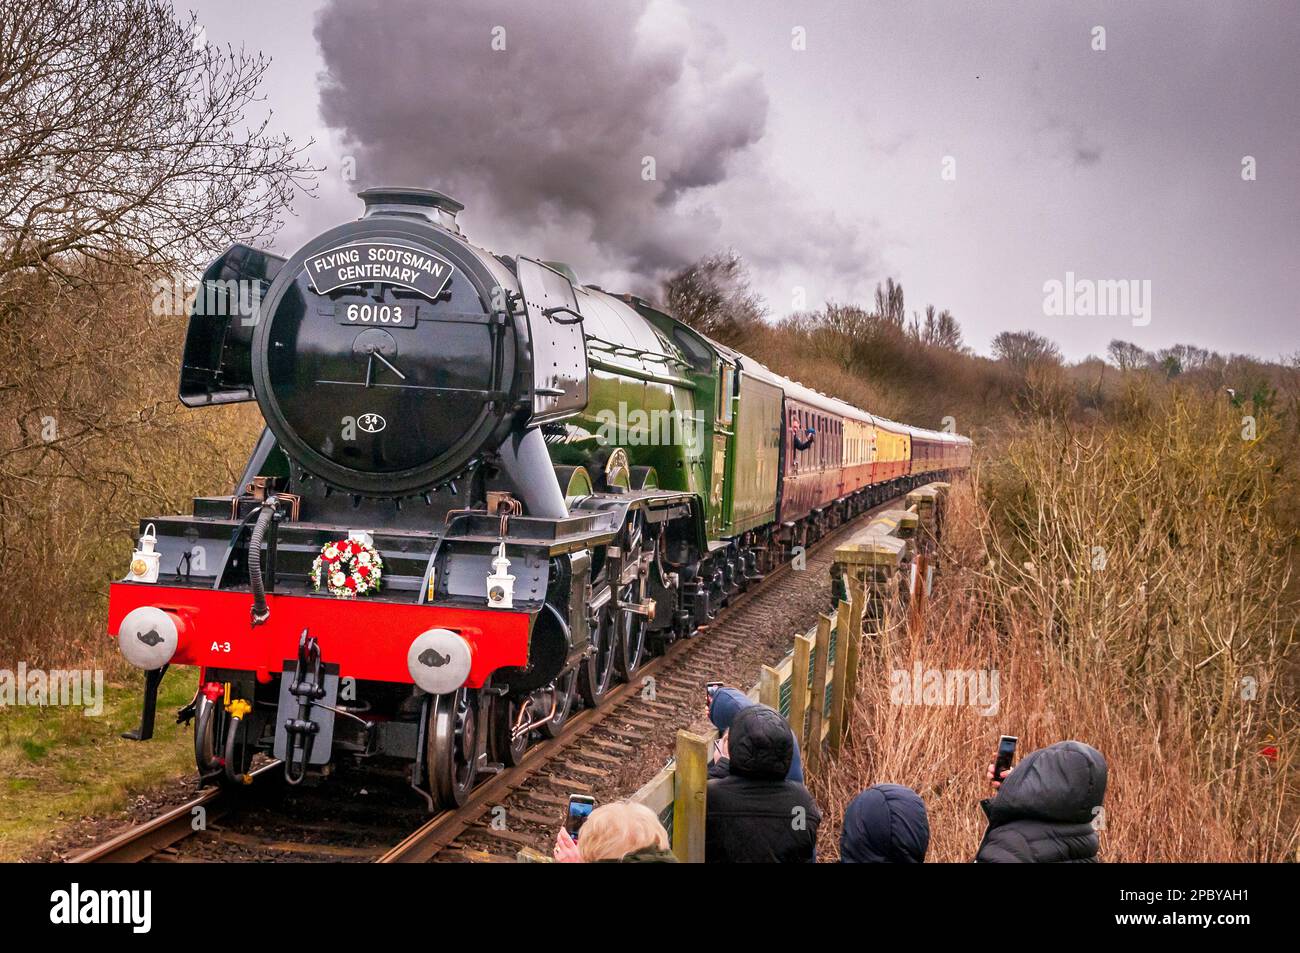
(1025, 349)
(1178, 358)
(849, 320)
(713, 296)
(938, 329)
(1126, 355)
(127, 152)
(889, 302)
(126, 137)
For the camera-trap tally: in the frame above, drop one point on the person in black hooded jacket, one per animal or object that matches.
(1044, 810)
(723, 709)
(755, 815)
(885, 824)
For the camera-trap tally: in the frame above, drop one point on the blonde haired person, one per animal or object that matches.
(621, 832)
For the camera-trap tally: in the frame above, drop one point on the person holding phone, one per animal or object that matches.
(724, 705)
(718, 750)
(1045, 807)
(756, 814)
(621, 832)
(1006, 753)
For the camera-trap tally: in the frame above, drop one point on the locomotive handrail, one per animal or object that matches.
(642, 374)
(630, 351)
(563, 309)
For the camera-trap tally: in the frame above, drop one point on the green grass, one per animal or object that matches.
(59, 764)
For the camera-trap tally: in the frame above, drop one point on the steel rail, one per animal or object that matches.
(142, 841)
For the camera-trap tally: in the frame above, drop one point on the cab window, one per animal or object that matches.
(726, 384)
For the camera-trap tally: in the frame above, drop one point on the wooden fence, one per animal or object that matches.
(815, 684)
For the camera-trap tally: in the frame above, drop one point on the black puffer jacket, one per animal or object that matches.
(1044, 811)
(754, 815)
(885, 824)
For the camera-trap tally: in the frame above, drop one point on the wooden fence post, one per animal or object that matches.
(690, 786)
(843, 649)
(769, 687)
(853, 645)
(916, 603)
(799, 685)
(817, 695)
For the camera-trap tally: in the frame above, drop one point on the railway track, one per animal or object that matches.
(362, 816)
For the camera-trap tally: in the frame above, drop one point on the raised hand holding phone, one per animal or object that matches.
(566, 849)
(580, 808)
(1001, 765)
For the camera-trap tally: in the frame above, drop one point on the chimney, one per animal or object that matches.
(428, 204)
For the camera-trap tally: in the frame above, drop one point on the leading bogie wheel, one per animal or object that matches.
(451, 747)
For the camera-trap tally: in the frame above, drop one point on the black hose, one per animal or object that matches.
(231, 731)
(260, 612)
(203, 755)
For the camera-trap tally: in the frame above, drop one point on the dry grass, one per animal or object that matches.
(1142, 655)
(57, 766)
(92, 439)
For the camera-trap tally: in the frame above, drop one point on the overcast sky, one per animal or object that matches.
(975, 150)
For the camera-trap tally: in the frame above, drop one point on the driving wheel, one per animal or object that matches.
(630, 627)
(565, 691)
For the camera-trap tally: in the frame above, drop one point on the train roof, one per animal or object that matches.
(807, 395)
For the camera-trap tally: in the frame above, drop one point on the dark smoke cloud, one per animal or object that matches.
(545, 141)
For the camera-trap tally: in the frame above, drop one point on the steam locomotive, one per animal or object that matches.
(483, 494)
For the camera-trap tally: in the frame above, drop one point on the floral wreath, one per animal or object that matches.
(347, 568)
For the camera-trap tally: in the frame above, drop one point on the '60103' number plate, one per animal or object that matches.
(377, 315)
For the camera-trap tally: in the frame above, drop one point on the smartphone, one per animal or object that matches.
(711, 689)
(1006, 753)
(580, 808)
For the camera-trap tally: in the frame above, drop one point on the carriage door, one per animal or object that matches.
(559, 347)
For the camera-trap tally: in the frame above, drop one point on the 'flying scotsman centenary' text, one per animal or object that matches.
(375, 261)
